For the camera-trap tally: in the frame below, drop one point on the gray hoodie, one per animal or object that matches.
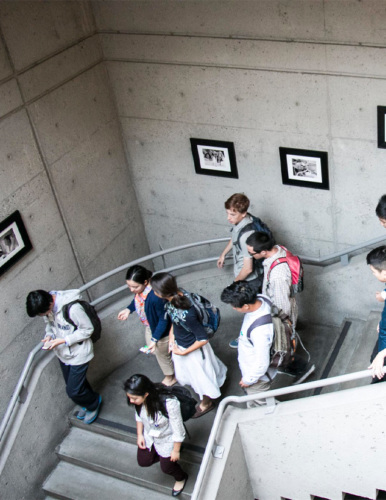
(78, 348)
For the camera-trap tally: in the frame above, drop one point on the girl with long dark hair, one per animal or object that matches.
(160, 429)
(151, 312)
(195, 363)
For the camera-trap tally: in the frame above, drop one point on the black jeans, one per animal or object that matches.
(77, 386)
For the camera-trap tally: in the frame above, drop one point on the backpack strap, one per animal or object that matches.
(263, 320)
(66, 313)
(279, 260)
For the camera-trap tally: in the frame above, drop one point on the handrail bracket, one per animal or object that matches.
(218, 450)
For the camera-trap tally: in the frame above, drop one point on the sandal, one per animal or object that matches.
(200, 413)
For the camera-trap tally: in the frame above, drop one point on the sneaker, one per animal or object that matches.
(81, 413)
(234, 343)
(305, 374)
(92, 415)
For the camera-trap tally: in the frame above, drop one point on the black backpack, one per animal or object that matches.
(261, 227)
(187, 402)
(92, 315)
(256, 225)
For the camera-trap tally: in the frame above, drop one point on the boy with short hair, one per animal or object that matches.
(376, 259)
(243, 266)
(279, 285)
(71, 344)
(253, 356)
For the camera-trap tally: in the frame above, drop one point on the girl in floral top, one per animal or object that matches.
(195, 363)
(151, 312)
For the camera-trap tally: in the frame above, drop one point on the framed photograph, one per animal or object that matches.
(214, 158)
(14, 241)
(381, 126)
(304, 168)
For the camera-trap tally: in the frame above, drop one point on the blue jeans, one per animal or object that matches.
(77, 386)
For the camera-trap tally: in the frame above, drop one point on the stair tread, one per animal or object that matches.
(74, 483)
(117, 458)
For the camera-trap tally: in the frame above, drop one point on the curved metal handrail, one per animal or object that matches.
(264, 395)
(343, 254)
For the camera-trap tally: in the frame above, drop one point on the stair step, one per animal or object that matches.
(69, 482)
(354, 354)
(128, 434)
(118, 459)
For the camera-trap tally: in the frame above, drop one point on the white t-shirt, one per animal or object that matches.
(254, 359)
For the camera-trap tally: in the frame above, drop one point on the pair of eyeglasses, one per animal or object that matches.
(253, 253)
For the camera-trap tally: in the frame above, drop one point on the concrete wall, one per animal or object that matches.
(63, 165)
(262, 74)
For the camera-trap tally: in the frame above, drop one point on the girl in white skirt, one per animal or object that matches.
(195, 363)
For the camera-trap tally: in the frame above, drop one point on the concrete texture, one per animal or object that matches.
(114, 458)
(298, 451)
(95, 121)
(63, 165)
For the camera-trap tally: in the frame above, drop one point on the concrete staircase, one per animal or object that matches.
(99, 462)
(352, 353)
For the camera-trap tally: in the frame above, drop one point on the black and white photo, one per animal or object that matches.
(214, 158)
(14, 241)
(304, 168)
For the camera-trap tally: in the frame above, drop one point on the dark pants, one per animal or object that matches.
(78, 387)
(147, 458)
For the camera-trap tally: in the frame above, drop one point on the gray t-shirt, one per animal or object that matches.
(240, 250)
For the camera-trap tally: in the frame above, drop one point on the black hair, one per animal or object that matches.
(38, 302)
(381, 207)
(239, 293)
(139, 385)
(165, 285)
(377, 258)
(138, 274)
(260, 241)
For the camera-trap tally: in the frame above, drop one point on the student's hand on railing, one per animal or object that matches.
(124, 314)
(377, 364)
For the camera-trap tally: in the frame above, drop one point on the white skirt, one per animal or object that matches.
(202, 370)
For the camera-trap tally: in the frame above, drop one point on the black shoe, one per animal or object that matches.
(178, 492)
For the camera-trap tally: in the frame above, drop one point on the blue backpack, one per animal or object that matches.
(208, 314)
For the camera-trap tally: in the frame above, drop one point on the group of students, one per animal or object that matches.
(178, 339)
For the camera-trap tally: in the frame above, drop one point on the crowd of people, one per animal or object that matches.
(175, 334)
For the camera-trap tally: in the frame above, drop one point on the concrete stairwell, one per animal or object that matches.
(351, 351)
(100, 462)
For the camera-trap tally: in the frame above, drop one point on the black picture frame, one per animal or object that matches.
(14, 241)
(216, 158)
(381, 115)
(304, 168)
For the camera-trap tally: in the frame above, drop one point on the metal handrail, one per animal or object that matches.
(32, 354)
(268, 395)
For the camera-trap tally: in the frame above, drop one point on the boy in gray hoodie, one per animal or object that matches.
(72, 345)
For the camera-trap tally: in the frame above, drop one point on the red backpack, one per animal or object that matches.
(296, 268)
